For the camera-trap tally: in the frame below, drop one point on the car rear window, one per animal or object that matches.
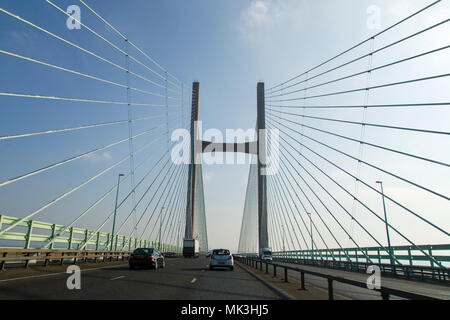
(143, 251)
(221, 252)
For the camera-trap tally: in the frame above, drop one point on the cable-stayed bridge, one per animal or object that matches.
(349, 160)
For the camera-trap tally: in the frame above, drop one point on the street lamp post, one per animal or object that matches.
(284, 249)
(386, 222)
(160, 224)
(311, 230)
(115, 211)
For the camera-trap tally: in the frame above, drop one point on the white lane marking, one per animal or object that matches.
(58, 273)
(193, 280)
(117, 278)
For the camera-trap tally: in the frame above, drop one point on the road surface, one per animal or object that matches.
(182, 279)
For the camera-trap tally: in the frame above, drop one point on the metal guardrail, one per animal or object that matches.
(415, 272)
(407, 255)
(385, 292)
(47, 255)
(28, 232)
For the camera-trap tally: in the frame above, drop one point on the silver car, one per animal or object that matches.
(221, 258)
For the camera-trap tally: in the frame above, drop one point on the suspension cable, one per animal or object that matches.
(358, 44)
(128, 40)
(68, 160)
(109, 42)
(367, 185)
(74, 45)
(371, 165)
(364, 142)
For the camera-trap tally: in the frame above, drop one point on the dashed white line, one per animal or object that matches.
(194, 280)
(117, 278)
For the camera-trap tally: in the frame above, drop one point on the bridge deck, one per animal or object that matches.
(175, 282)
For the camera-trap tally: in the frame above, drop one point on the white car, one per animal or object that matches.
(221, 258)
(266, 255)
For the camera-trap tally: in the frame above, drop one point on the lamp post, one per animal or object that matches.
(284, 249)
(386, 222)
(115, 211)
(160, 224)
(311, 230)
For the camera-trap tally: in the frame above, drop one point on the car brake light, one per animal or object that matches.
(150, 257)
(230, 257)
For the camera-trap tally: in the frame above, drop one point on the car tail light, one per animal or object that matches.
(230, 257)
(150, 257)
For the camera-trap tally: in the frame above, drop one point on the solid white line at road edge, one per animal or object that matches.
(54, 274)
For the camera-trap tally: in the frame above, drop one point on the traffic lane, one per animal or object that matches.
(224, 284)
(48, 286)
(176, 282)
(191, 279)
(141, 283)
(34, 270)
(104, 283)
(116, 282)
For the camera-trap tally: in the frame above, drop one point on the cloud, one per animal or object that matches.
(21, 38)
(98, 156)
(257, 14)
(263, 16)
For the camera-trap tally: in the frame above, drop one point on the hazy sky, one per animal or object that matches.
(228, 46)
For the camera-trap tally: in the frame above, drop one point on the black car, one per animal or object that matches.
(146, 257)
(169, 254)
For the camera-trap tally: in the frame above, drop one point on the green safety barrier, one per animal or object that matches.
(405, 254)
(33, 231)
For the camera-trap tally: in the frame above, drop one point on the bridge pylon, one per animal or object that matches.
(258, 147)
(263, 237)
(190, 205)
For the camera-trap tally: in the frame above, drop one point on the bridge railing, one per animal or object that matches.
(408, 255)
(424, 273)
(30, 234)
(353, 259)
(385, 292)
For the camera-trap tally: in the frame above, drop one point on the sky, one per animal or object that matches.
(228, 46)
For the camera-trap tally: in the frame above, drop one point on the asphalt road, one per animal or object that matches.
(182, 279)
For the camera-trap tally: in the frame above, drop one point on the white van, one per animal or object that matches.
(266, 254)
